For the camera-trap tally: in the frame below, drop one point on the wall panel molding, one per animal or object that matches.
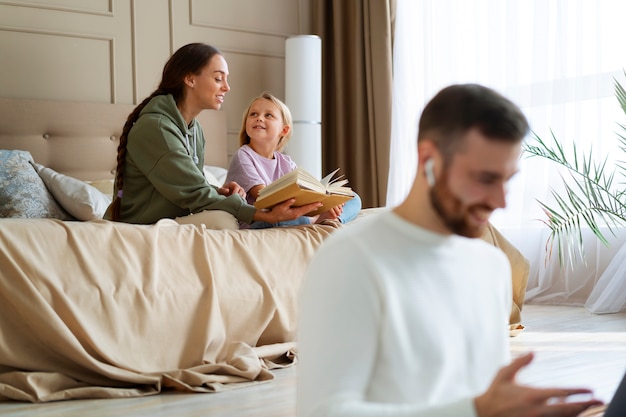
(133, 50)
(240, 29)
(110, 41)
(61, 8)
(260, 54)
(249, 26)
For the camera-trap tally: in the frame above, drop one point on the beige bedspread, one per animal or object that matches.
(102, 309)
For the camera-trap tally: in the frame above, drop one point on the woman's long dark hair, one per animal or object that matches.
(189, 59)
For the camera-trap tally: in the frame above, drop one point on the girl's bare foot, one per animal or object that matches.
(331, 214)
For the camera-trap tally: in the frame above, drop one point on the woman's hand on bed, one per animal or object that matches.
(284, 211)
(231, 188)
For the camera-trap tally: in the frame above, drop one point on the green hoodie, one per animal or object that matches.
(161, 177)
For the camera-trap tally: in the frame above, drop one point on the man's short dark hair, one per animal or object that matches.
(459, 108)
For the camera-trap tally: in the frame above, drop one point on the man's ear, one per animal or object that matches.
(427, 155)
(426, 150)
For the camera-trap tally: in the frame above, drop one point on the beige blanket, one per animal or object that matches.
(102, 309)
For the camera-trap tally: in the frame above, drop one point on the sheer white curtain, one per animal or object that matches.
(557, 59)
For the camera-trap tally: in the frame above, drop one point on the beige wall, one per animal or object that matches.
(114, 50)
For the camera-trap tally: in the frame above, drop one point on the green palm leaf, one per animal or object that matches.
(590, 197)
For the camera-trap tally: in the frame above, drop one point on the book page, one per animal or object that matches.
(327, 179)
(336, 185)
(280, 183)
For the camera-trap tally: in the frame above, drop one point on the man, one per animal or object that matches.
(405, 313)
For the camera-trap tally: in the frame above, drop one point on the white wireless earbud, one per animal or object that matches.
(428, 169)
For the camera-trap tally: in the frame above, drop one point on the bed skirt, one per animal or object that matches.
(102, 309)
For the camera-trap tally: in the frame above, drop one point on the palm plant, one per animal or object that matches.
(594, 197)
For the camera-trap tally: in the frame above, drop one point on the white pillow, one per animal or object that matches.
(215, 175)
(78, 198)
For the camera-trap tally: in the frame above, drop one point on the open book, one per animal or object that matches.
(305, 188)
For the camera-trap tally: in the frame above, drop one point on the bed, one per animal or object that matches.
(95, 309)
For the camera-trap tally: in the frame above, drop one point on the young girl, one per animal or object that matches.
(265, 130)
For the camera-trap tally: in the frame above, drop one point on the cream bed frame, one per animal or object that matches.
(80, 139)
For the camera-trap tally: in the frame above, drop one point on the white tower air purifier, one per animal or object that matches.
(303, 96)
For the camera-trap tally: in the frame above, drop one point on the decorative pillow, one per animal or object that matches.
(22, 191)
(215, 175)
(81, 200)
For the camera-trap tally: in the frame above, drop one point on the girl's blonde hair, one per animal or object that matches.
(285, 113)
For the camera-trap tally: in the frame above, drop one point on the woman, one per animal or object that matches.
(161, 152)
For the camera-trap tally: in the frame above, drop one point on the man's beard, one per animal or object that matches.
(453, 213)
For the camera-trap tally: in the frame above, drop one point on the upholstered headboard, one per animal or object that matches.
(80, 139)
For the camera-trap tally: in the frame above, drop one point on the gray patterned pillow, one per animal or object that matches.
(22, 191)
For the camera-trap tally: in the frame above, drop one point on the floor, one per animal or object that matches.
(572, 346)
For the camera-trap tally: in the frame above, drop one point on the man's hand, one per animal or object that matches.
(507, 398)
(284, 211)
(231, 188)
